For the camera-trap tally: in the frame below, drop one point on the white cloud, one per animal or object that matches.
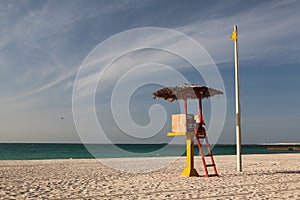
(265, 31)
(51, 84)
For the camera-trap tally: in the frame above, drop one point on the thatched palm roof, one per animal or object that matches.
(191, 91)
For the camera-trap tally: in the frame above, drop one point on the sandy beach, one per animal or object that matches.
(263, 177)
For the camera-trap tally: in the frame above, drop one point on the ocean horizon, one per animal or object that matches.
(40, 151)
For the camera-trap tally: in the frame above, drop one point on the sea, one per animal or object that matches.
(39, 151)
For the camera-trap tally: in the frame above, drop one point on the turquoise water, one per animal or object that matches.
(36, 151)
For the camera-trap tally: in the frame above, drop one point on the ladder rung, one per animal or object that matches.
(210, 175)
(210, 165)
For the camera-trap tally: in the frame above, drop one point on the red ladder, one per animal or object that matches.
(200, 146)
(200, 133)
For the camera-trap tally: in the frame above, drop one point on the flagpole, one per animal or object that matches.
(237, 101)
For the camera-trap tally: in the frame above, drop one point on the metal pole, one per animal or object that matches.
(200, 111)
(237, 104)
(185, 105)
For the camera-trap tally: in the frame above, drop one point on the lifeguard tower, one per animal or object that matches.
(191, 125)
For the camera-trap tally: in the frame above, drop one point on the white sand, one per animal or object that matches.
(263, 177)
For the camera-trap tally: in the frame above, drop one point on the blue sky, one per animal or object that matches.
(43, 43)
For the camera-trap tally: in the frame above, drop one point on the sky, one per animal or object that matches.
(45, 44)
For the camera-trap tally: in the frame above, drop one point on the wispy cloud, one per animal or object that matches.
(51, 84)
(265, 31)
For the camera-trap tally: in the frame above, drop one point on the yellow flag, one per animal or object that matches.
(234, 36)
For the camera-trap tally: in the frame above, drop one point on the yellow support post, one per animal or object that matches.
(189, 169)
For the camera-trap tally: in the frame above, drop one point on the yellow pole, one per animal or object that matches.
(189, 152)
(189, 169)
